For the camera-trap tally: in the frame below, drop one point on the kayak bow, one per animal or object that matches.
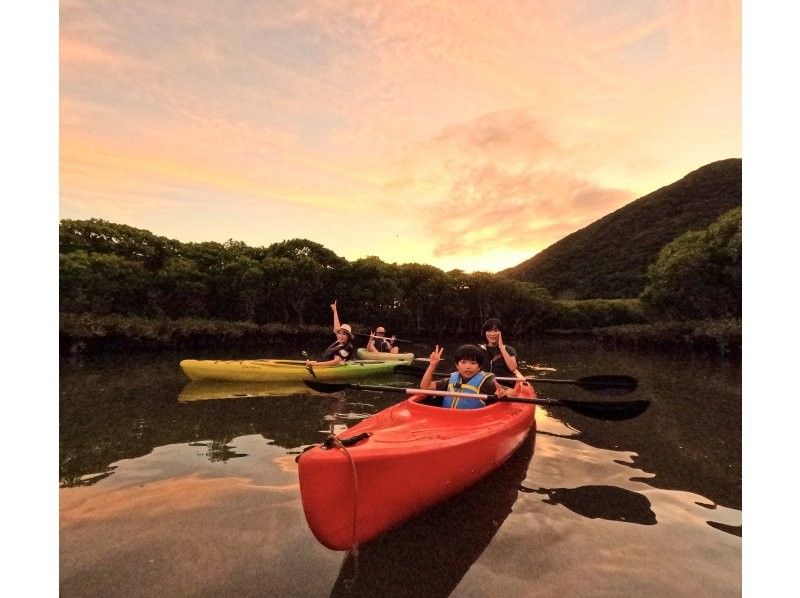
(404, 460)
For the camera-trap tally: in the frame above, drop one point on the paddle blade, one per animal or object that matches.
(609, 410)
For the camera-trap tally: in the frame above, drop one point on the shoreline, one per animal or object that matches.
(90, 334)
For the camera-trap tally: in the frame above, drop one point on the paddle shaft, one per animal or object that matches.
(623, 382)
(387, 338)
(600, 382)
(414, 370)
(335, 386)
(530, 367)
(443, 393)
(492, 398)
(611, 410)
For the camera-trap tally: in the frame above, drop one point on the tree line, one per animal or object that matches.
(107, 268)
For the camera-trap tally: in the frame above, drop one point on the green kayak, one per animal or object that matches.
(266, 370)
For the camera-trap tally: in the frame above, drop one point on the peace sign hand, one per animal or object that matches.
(436, 357)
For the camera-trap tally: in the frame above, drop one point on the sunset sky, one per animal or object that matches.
(467, 134)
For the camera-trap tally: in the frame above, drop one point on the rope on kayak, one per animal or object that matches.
(354, 545)
(333, 441)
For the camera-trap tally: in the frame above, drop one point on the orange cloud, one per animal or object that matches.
(74, 52)
(504, 182)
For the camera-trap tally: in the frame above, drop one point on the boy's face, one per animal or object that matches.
(467, 368)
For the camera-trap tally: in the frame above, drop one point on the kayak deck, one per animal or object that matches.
(267, 370)
(418, 455)
(381, 356)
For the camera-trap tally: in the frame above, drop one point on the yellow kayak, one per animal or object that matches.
(369, 355)
(266, 370)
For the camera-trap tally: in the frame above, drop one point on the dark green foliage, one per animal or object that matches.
(699, 274)
(609, 258)
(595, 313)
(105, 271)
(719, 337)
(299, 249)
(103, 283)
(99, 236)
(88, 332)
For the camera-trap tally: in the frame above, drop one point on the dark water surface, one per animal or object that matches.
(165, 491)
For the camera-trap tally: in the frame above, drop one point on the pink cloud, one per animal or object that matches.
(505, 183)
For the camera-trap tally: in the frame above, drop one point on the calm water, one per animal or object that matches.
(165, 491)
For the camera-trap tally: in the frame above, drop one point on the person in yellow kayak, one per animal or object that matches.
(499, 359)
(339, 351)
(383, 344)
(468, 378)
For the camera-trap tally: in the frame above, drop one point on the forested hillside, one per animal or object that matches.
(609, 258)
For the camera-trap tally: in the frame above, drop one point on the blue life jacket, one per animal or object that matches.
(471, 386)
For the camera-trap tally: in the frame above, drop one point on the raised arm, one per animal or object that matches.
(371, 343)
(336, 323)
(511, 361)
(427, 381)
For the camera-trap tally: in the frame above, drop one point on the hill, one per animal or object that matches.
(609, 258)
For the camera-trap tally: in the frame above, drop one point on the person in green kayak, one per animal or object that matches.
(468, 378)
(499, 359)
(383, 344)
(339, 351)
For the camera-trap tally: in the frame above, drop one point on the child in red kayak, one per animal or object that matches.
(468, 378)
(342, 349)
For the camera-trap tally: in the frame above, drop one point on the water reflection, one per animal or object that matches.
(129, 420)
(690, 437)
(601, 502)
(107, 415)
(429, 555)
(218, 450)
(206, 390)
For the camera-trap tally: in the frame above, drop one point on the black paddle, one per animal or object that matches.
(308, 367)
(606, 409)
(614, 382)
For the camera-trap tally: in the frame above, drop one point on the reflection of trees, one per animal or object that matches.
(219, 450)
(429, 555)
(85, 480)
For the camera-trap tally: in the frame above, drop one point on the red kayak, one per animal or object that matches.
(417, 455)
